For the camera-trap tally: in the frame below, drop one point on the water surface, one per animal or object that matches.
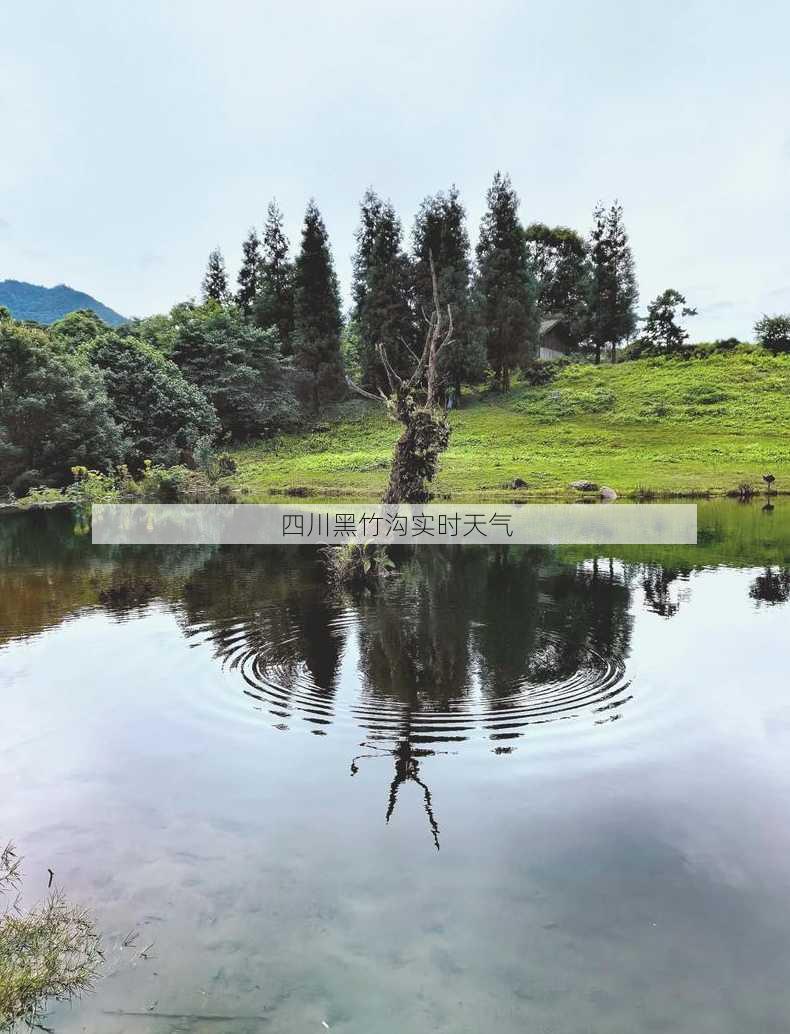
(513, 789)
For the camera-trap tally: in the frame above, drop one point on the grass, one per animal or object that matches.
(651, 428)
(51, 952)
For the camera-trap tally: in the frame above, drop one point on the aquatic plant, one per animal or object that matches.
(49, 953)
(356, 562)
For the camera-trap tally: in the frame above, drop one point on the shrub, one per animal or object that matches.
(773, 333)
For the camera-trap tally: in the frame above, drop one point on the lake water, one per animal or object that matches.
(525, 789)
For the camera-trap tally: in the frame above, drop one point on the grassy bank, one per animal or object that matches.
(670, 427)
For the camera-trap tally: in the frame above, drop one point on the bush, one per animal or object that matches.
(773, 333)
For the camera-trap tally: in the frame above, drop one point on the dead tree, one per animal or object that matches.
(414, 402)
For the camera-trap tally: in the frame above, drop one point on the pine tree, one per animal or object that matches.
(614, 288)
(505, 290)
(440, 230)
(274, 306)
(249, 273)
(382, 291)
(317, 318)
(215, 282)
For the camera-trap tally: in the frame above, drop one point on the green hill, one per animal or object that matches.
(48, 304)
(668, 426)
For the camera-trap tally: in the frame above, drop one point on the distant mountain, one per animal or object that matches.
(47, 304)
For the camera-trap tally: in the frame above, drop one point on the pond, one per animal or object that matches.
(512, 789)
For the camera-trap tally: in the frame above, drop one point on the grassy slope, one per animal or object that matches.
(670, 426)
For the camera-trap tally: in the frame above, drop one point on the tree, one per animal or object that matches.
(614, 289)
(504, 287)
(54, 411)
(238, 368)
(440, 231)
(249, 273)
(773, 333)
(274, 306)
(560, 263)
(158, 411)
(383, 311)
(661, 323)
(414, 401)
(317, 319)
(78, 328)
(215, 282)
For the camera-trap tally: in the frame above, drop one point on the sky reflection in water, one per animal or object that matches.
(597, 746)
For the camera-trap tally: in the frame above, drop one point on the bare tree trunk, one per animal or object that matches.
(426, 432)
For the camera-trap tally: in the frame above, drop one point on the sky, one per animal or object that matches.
(135, 137)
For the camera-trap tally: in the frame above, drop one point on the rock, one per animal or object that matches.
(518, 483)
(584, 486)
(607, 493)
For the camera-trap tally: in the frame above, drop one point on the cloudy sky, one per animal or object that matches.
(136, 136)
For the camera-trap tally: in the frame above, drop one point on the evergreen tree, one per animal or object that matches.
(317, 319)
(560, 263)
(614, 288)
(274, 306)
(505, 289)
(215, 282)
(249, 273)
(440, 230)
(382, 291)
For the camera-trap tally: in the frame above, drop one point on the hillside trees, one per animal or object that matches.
(662, 328)
(160, 414)
(317, 318)
(614, 293)
(504, 287)
(561, 266)
(773, 333)
(249, 273)
(440, 231)
(383, 312)
(274, 305)
(54, 411)
(238, 368)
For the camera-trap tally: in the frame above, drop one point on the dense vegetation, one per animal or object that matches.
(47, 304)
(275, 355)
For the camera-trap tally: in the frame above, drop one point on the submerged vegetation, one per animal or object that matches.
(49, 953)
(356, 563)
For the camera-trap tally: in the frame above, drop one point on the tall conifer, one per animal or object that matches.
(317, 317)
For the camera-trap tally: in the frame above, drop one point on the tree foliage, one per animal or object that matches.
(773, 333)
(505, 290)
(662, 329)
(54, 411)
(215, 281)
(614, 292)
(317, 318)
(238, 368)
(274, 306)
(560, 263)
(159, 412)
(249, 273)
(382, 289)
(440, 231)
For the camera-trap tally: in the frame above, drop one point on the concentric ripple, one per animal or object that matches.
(557, 682)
